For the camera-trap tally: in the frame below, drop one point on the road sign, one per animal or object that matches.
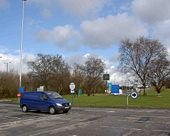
(72, 87)
(21, 89)
(18, 95)
(134, 95)
(106, 77)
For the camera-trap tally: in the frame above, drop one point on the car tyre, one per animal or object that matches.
(52, 110)
(65, 111)
(24, 108)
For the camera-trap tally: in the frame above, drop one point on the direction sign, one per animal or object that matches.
(134, 95)
(106, 77)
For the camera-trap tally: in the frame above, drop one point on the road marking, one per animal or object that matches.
(110, 111)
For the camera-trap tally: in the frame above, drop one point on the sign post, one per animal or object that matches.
(72, 87)
(127, 99)
(133, 95)
(106, 77)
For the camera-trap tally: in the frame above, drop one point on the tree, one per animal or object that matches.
(51, 72)
(167, 82)
(60, 77)
(159, 72)
(93, 70)
(78, 76)
(137, 56)
(41, 69)
(8, 84)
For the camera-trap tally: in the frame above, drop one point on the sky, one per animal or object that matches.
(77, 29)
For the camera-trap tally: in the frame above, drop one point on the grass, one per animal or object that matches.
(109, 101)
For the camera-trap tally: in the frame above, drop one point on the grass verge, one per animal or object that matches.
(112, 101)
(109, 101)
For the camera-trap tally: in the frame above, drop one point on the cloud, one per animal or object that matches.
(162, 31)
(62, 36)
(82, 7)
(99, 33)
(152, 11)
(103, 32)
(14, 61)
(78, 8)
(116, 76)
(76, 59)
(46, 6)
(4, 4)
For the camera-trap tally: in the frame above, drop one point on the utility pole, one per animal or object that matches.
(21, 45)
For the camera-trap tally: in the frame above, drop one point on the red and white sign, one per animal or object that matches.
(18, 95)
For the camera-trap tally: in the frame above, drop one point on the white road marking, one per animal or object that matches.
(110, 111)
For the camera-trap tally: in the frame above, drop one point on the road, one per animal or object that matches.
(84, 122)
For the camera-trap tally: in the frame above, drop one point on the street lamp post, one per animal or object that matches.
(21, 44)
(7, 66)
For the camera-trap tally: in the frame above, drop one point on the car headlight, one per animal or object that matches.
(58, 104)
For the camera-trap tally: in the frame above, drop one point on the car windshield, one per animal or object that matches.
(54, 95)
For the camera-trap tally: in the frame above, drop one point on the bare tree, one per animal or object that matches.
(136, 57)
(93, 70)
(159, 72)
(41, 68)
(60, 77)
(8, 84)
(167, 82)
(50, 71)
(78, 76)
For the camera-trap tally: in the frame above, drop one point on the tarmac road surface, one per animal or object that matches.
(84, 122)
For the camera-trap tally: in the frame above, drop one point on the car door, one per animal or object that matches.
(43, 102)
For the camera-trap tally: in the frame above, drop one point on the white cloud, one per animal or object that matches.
(86, 55)
(152, 11)
(4, 4)
(99, 33)
(82, 7)
(162, 31)
(76, 59)
(116, 76)
(46, 6)
(103, 32)
(63, 36)
(14, 62)
(74, 7)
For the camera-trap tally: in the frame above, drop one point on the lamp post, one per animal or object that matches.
(21, 44)
(7, 66)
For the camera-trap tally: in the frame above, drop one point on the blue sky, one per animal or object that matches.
(76, 29)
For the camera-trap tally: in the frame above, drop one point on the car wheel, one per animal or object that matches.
(52, 110)
(65, 111)
(24, 108)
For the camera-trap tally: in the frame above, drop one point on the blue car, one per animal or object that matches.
(44, 101)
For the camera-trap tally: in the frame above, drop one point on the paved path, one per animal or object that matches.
(84, 122)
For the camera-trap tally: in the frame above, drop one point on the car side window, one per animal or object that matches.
(43, 96)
